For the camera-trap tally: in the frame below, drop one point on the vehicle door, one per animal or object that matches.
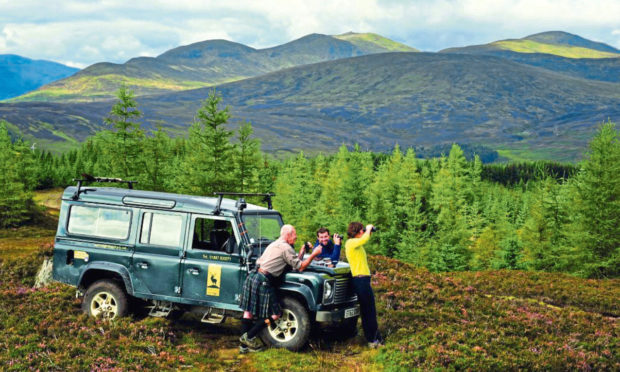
(210, 274)
(157, 257)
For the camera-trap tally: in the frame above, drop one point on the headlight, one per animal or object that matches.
(328, 291)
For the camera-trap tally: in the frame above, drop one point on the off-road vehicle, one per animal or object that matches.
(181, 253)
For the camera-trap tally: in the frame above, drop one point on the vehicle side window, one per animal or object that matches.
(161, 229)
(99, 222)
(212, 234)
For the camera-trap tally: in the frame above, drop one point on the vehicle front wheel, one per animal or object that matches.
(292, 330)
(105, 299)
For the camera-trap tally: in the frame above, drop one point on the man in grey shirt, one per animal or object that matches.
(259, 301)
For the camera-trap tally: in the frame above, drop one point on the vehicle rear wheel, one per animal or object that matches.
(105, 299)
(292, 330)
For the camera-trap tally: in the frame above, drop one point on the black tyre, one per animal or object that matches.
(348, 328)
(105, 299)
(292, 330)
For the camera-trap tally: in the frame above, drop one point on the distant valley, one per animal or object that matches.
(526, 105)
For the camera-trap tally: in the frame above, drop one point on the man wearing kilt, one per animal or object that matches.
(259, 301)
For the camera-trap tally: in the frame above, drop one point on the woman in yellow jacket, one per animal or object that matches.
(356, 255)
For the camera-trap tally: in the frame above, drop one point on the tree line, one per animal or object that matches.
(445, 214)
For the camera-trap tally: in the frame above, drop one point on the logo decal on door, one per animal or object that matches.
(213, 280)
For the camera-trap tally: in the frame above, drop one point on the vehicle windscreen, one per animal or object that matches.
(262, 228)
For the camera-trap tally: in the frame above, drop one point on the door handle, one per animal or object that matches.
(194, 271)
(143, 265)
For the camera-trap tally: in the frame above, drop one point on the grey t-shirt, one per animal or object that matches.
(277, 255)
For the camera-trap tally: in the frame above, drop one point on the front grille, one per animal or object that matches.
(344, 291)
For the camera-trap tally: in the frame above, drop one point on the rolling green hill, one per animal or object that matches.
(204, 64)
(556, 43)
(556, 51)
(413, 99)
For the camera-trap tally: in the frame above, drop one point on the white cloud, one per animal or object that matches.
(82, 32)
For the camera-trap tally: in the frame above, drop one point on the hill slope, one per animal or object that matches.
(207, 63)
(406, 98)
(556, 51)
(19, 75)
(557, 43)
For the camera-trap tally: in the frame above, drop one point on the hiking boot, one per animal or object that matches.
(375, 344)
(252, 344)
(243, 349)
(244, 340)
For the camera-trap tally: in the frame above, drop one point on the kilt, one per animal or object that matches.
(259, 296)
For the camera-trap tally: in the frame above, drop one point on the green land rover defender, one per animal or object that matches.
(181, 253)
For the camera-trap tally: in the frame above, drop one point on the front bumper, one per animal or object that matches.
(338, 314)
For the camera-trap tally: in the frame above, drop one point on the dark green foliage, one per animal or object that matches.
(596, 205)
(209, 162)
(123, 150)
(247, 160)
(519, 173)
(16, 180)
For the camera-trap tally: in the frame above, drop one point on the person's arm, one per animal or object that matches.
(335, 257)
(291, 258)
(355, 243)
(317, 251)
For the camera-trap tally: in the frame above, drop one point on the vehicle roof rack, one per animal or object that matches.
(89, 178)
(220, 195)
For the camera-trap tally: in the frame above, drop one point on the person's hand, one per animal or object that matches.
(337, 239)
(369, 228)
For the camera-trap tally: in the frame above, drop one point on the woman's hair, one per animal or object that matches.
(354, 228)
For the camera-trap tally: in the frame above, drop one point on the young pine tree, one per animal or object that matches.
(122, 151)
(209, 160)
(247, 160)
(15, 196)
(596, 206)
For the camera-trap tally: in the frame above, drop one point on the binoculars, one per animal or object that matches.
(373, 229)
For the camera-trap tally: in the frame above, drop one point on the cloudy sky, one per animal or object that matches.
(83, 32)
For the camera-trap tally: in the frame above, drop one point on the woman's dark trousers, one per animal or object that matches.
(366, 299)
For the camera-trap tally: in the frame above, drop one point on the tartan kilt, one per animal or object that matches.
(259, 296)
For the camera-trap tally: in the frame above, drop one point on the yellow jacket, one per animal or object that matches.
(356, 254)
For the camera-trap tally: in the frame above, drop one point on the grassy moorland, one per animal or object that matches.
(499, 320)
(492, 320)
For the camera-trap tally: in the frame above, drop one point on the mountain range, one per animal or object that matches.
(525, 105)
(207, 63)
(19, 75)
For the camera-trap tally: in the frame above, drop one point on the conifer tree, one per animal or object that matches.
(393, 195)
(209, 162)
(156, 158)
(247, 160)
(543, 232)
(294, 197)
(597, 205)
(123, 148)
(15, 196)
(451, 193)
